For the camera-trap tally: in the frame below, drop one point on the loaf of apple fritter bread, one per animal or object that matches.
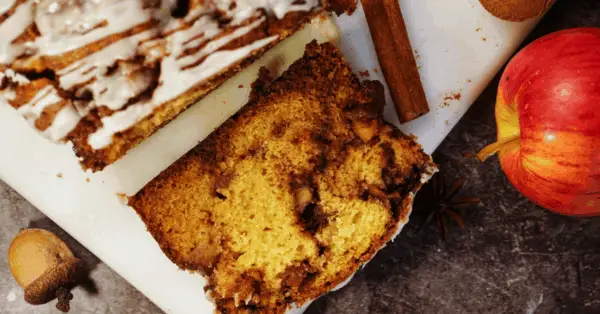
(293, 194)
(105, 75)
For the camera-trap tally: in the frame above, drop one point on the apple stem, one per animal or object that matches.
(495, 147)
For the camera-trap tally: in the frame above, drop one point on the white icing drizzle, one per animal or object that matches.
(5, 5)
(7, 95)
(188, 53)
(176, 81)
(244, 9)
(13, 77)
(44, 98)
(115, 90)
(110, 91)
(72, 27)
(11, 28)
(65, 121)
(99, 61)
(202, 30)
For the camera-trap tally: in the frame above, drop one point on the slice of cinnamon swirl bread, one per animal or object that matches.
(106, 74)
(291, 196)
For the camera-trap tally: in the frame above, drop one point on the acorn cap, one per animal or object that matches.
(516, 10)
(43, 289)
(42, 263)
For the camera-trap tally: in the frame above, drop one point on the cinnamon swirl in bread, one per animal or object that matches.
(287, 199)
(106, 74)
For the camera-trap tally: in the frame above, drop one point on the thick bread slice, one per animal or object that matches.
(292, 195)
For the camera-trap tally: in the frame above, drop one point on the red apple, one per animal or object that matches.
(548, 119)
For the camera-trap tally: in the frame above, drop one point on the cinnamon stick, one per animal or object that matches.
(396, 58)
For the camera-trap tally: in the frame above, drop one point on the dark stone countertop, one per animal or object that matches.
(512, 256)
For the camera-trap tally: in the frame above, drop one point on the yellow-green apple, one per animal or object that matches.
(548, 120)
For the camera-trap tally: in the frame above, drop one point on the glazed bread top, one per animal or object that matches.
(106, 74)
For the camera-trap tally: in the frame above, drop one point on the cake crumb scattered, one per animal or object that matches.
(240, 86)
(478, 29)
(484, 38)
(87, 180)
(123, 197)
(454, 96)
(364, 73)
(59, 175)
(450, 97)
(376, 70)
(469, 81)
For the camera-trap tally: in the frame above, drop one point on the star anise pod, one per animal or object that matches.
(444, 204)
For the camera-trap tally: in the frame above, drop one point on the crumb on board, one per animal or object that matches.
(469, 81)
(453, 96)
(87, 180)
(364, 73)
(478, 29)
(225, 102)
(123, 197)
(484, 38)
(59, 175)
(450, 97)
(240, 86)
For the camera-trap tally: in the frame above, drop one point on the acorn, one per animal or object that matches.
(44, 267)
